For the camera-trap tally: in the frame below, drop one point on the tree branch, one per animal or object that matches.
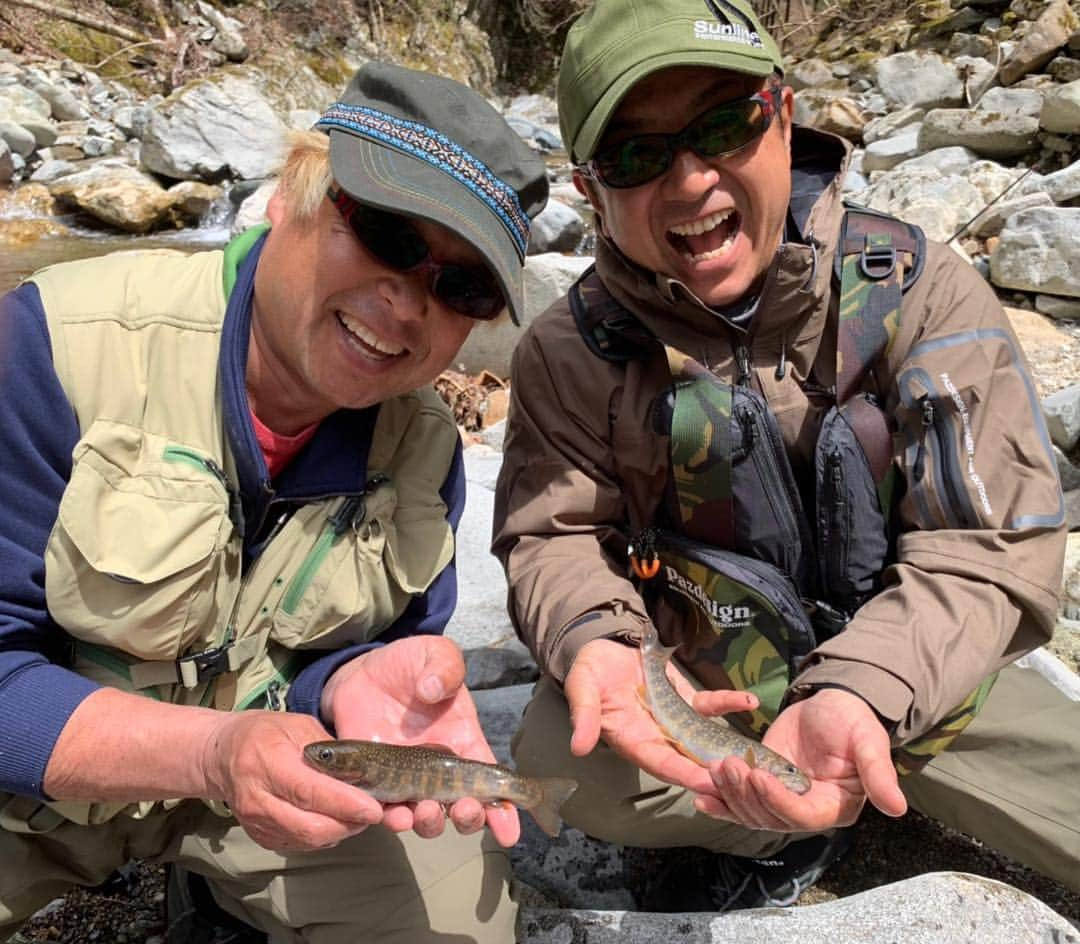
(82, 19)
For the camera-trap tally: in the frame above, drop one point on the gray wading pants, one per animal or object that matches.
(1012, 780)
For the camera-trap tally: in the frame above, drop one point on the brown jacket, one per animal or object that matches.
(583, 469)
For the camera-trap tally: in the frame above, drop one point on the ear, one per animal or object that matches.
(787, 110)
(591, 192)
(275, 208)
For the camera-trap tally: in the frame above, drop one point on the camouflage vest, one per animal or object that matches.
(739, 574)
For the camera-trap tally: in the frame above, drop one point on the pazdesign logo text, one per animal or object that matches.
(725, 614)
(726, 32)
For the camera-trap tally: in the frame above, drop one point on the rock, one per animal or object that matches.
(1041, 42)
(212, 128)
(993, 220)
(1063, 309)
(921, 79)
(830, 111)
(1062, 413)
(558, 228)
(988, 133)
(1012, 101)
(1063, 185)
(500, 665)
(888, 125)
(1040, 252)
(547, 277)
(940, 205)
(117, 195)
(1061, 109)
(935, 908)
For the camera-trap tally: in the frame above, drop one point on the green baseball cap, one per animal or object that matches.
(617, 43)
(426, 146)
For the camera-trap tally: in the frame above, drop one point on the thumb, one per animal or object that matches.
(441, 672)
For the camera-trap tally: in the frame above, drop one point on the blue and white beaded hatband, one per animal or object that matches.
(438, 150)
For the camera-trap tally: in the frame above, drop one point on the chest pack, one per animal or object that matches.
(746, 570)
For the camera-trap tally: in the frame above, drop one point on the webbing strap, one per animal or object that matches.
(876, 252)
(198, 667)
(701, 452)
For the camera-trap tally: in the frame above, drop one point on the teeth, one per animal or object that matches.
(701, 226)
(711, 254)
(371, 340)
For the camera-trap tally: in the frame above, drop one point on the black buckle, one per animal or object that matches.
(208, 664)
(877, 262)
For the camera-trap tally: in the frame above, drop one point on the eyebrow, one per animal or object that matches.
(697, 104)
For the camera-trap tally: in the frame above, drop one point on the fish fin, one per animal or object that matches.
(750, 757)
(555, 792)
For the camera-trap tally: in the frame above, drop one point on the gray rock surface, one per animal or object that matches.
(936, 908)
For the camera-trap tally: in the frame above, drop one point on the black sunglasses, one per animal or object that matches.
(393, 240)
(718, 132)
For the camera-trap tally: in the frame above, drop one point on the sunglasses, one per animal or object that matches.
(393, 240)
(718, 132)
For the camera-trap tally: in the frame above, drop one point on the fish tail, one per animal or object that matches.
(555, 792)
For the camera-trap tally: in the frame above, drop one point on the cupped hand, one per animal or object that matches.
(412, 691)
(604, 689)
(838, 742)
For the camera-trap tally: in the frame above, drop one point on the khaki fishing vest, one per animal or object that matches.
(143, 565)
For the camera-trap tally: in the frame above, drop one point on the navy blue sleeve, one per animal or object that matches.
(37, 433)
(427, 613)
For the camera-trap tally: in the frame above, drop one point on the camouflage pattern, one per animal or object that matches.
(701, 451)
(912, 757)
(728, 634)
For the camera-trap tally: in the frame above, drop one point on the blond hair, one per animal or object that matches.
(305, 175)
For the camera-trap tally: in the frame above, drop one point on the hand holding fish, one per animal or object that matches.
(603, 689)
(412, 692)
(837, 741)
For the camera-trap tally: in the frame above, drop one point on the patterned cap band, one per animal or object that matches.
(438, 150)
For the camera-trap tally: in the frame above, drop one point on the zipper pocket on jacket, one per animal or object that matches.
(938, 445)
(336, 525)
(190, 457)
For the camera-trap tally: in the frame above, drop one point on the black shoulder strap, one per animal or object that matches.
(608, 329)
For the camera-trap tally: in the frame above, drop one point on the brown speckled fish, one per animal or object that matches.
(700, 738)
(394, 773)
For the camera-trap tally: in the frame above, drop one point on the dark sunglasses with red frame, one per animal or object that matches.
(394, 240)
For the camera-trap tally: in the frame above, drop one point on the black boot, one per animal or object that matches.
(193, 917)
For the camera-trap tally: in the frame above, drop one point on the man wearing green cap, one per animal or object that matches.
(802, 444)
(232, 495)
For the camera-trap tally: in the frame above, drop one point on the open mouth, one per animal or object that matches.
(707, 238)
(367, 341)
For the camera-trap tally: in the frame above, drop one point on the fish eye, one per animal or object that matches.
(326, 754)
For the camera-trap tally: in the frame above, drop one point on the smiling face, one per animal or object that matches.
(333, 327)
(712, 223)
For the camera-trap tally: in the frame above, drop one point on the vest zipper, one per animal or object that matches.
(335, 526)
(199, 461)
(953, 503)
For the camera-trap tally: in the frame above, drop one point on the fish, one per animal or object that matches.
(698, 737)
(394, 773)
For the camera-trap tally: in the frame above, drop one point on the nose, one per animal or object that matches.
(689, 175)
(406, 292)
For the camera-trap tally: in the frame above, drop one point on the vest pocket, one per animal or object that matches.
(135, 556)
(852, 528)
(366, 558)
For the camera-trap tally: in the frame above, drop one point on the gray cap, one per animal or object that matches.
(423, 145)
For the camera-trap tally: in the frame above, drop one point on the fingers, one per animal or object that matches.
(583, 697)
(720, 702)
(874, 763)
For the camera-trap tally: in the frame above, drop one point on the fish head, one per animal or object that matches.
(339, 759)
(780, 767)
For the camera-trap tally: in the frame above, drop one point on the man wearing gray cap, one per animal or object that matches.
(800, 443)
(233, 498)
